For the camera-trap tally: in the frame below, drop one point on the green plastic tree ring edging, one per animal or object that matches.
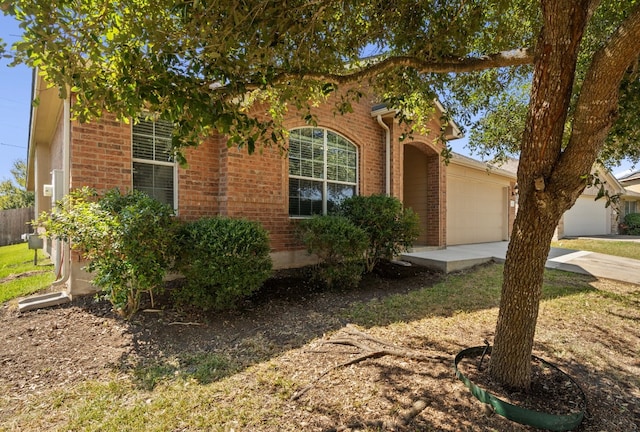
(540, 420)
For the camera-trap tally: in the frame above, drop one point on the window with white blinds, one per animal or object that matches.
(323, 170)
(154, 168)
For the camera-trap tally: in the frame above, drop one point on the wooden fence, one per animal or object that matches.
(14, 223)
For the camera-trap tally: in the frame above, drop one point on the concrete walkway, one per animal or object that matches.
(455, 258)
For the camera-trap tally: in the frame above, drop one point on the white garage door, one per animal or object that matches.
(587, 217)
(476, 211)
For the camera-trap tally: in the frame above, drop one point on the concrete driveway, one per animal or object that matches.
(455, 258)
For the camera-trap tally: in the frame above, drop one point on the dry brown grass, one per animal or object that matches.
(590, 328)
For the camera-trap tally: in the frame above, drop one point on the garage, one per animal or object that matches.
(587, 217)
(478, 204)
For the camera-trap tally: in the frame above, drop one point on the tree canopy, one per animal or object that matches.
(204, 64)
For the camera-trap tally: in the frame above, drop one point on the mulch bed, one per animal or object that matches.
(291, 318)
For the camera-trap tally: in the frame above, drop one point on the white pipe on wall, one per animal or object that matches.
(66, 166)
(384, 126)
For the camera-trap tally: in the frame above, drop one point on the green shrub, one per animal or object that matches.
(126, 238)
(632, 223)
(223, 261)
(339, 245)
(391, 228)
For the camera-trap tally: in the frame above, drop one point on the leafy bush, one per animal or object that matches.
(632, 223)
(223, 260)
(340, 245)
(391, 228)
(127, 239)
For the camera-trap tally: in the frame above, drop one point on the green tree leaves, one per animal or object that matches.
(13, 193)
(216, 65)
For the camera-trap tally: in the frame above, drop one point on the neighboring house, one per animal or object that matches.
(630, 201)
(631, 182)
(357, 153)
(589, 216)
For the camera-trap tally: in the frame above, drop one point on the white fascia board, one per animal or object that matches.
(479, 165)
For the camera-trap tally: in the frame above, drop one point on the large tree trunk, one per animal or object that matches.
(550, 179)
(539, 211)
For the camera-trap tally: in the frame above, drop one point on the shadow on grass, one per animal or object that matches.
(245, 354)
(464, 292)
(204, 368)
(610, 386)
(289, 313)
(441, 398)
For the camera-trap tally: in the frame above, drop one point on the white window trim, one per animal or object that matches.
(324, 180)
(630, 203)
(174, 164)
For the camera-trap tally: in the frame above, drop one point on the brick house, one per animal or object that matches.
(357, 153)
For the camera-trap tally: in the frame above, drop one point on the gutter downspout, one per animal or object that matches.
(66, 165)
(384, 126)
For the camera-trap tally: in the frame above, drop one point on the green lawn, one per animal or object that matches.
(18, 276)
(609, 247)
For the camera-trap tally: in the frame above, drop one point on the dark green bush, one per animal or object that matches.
(391, 228)
(339, 245)
(632, 223)
(223, 261)
(126, 238)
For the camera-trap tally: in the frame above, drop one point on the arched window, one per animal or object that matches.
(323, 170)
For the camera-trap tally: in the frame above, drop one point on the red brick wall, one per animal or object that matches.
(437, 192)
(255, 189)
(222, 181)
(434, 184)
(256, 186)
(101, 154)
(199, 183)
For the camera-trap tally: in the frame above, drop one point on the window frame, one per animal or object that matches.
(627, 206)
(153, 162)
(324, 180)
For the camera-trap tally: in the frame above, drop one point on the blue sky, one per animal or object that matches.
(15, 104)
(15, 107)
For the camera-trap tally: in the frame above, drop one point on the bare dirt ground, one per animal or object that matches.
(291, 320)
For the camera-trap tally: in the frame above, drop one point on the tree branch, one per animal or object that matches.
(597, 107)
(364, 343)
(371, 69)
(451, 65)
